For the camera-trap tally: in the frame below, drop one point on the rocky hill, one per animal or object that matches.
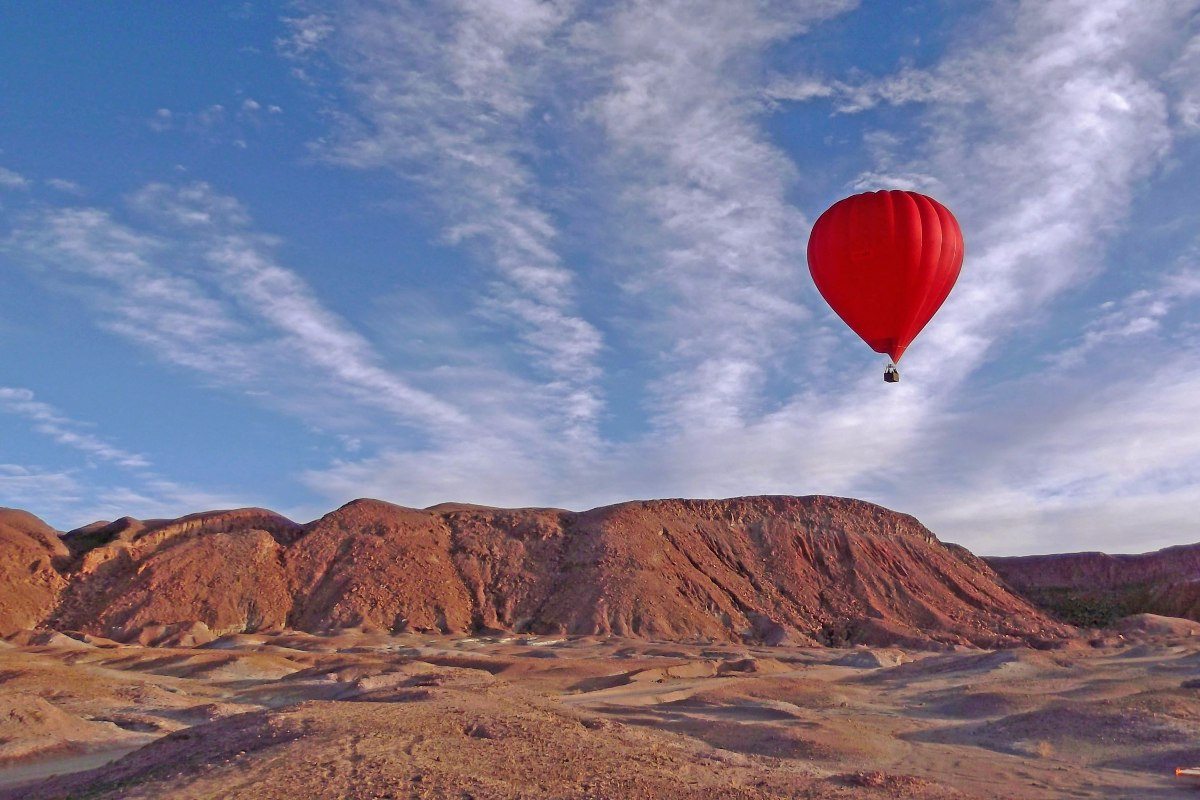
(763, 569)
(1095, 589)
(29, 582)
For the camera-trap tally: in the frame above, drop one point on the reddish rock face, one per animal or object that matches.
(29, 583)
(222, 568)
(799, 570)
(1096, 588)
(806, 568)
(376, 565)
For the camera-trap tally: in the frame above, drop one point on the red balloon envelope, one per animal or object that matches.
(885, 262)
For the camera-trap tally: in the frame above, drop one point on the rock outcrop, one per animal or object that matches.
(774, 570)
(223, 569)
(1096, 589)
(30, 584)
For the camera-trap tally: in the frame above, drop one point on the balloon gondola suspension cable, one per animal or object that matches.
(891, 374)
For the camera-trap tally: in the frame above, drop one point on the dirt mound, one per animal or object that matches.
(179, 634)
(1096, 589)
(49, 638)
(29, 726)
(1003, 665)
(1092, 732)
(1139, 625)
(29, 582)
(820, 743)
(764, 570)
(817, 695)
(874, 659)
(971, 704)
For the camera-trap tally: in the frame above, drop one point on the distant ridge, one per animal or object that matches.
(806, 570)
(1096, 589)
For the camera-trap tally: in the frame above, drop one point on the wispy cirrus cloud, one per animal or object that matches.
(305, 34)
(66, 186)
(12, 180)
(461, 102)
(203, 291)
(91, 490)
(445, 98)
(720, 250)
(184, 274)
(1142, 313)
(32, 488)
(48, 421)
(1184, 76)
(124, 272)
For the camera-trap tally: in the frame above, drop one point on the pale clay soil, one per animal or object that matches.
(362, 715)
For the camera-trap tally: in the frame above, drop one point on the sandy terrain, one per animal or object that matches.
(410, 716)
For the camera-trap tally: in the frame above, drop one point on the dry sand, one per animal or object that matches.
(362, 715)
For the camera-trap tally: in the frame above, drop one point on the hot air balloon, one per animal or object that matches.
(885, 262)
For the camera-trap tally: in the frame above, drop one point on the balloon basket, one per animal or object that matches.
(891, 374)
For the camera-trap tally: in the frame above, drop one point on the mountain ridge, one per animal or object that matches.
(1096, 589)
(767, 569)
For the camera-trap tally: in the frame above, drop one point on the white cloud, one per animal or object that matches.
(65, 498)
(205, 293)
(216, 123)
(720, 251)
(1140, 314)
(445, 99)
(50, 422)
(162, 121)
(63, 185)
(201, 289)
(40, 490)
(127, 274)
(1103, 456)
(891, 170)
(305, 34)
(193, 206)
(1184, 75)
(12, 180)
(798, 89)
(207, 122)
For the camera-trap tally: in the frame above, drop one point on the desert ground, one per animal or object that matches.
(369, 715)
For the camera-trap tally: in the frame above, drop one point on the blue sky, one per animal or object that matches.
(552, 253)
